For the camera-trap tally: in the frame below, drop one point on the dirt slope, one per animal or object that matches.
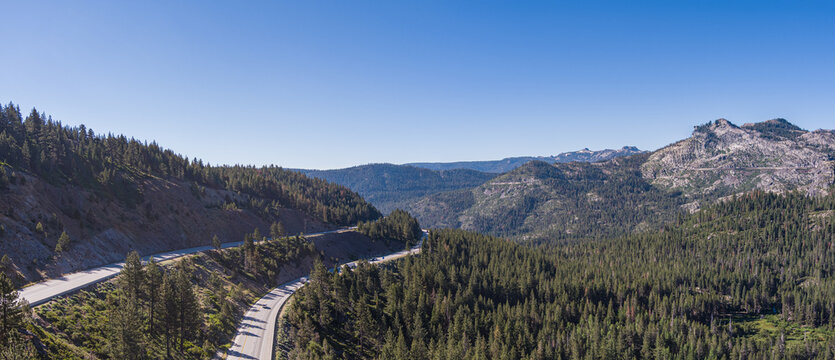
(173, 215)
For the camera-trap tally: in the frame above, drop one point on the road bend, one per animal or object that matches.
(256, 333)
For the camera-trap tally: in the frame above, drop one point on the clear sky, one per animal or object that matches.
(327, 84)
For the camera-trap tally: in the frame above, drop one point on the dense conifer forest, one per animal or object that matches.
(748, 278)
(556, 203)
(398, 225)
(114, 165)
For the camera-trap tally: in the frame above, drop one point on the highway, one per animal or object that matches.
(256, 332)
(44, 291)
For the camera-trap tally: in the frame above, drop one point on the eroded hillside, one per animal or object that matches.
(71, 199)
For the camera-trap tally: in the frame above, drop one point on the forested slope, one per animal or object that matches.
(543, 202)
(100, 196)
(749, 278)
(187, 308)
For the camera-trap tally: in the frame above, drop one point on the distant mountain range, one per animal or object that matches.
(555, 202)
(562, 201)
(390, 186)
(508, 164)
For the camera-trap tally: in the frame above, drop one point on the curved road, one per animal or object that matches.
(44, 291)
(256, 332)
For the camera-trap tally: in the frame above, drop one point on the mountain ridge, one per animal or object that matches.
(71, 199)
(720, 159)
(510, 163)
(390, 186)
(568, 201)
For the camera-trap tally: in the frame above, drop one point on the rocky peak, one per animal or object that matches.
(723, 122)
(718, 125)
(722, 159)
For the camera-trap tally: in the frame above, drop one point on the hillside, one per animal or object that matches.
(389, 186)
(224, 284)
(541, 201)
(721, 158)
(508, 164)
(745, 279)
(101, 196)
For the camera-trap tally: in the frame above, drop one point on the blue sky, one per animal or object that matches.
(328, 84)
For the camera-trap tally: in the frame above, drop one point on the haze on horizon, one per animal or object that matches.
(333, 84)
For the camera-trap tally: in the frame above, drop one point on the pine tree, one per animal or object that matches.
(11, 310)
(124, 327)
(216, 242)
(401, 350)
(63, 242)
(132, 276)
(188, 308)
(277, 230)
(5, 262)
(40, 229)
(153, 283)
(168, 310)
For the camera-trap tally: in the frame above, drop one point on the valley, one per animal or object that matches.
(417, 180)
(697, 206)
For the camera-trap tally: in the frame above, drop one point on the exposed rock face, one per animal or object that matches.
(721, 158)
(554, 202)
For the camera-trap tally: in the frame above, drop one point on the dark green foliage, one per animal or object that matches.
(115, 166)
(776, 129)
(541, 202)
(18, 349)
(277, 230)
(398, 225)
(132, 276)
(124, 327)
(11, 310)
(709, 285)
(154, 278)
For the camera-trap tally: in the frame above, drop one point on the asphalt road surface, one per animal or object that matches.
(256, 332)
(44, 291)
